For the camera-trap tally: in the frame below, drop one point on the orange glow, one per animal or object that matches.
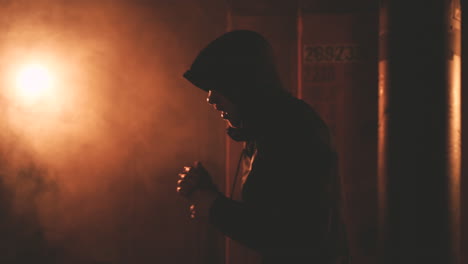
(93, 149)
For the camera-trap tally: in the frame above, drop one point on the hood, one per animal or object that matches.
(240, 65)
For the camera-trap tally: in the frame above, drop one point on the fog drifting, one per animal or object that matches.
(88, 175)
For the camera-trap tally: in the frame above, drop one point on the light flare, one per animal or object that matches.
(33, 82)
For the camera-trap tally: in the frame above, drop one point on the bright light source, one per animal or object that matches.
(33, 81)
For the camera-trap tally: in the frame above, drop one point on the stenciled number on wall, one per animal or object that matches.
(319, 73)
(332, 53)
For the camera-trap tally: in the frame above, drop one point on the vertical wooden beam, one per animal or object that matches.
(300, 42)
(228, 171)
(419, 135)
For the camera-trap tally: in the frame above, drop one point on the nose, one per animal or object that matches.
(211, 98)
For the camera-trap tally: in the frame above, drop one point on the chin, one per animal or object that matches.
(231, 124)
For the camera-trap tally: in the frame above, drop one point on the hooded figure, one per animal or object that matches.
(289, 211)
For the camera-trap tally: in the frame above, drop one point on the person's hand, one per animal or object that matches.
(194, 178)
(196, 185)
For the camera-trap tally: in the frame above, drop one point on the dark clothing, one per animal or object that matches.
(289, 210)
(238, 64)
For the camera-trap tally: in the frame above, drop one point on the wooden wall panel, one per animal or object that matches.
(339, 79)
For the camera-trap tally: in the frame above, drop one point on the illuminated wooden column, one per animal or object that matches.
(419, 132)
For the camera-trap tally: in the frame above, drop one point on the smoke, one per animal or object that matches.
(89, 175)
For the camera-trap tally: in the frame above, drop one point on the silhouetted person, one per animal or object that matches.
(289, 211)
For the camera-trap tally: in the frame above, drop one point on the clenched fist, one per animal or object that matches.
(194, 178)
(196, 185)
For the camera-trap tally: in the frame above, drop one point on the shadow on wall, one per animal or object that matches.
(88, 172)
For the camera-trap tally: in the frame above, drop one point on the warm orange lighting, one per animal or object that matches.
(33, 81)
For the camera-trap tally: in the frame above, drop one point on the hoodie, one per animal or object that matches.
(290, 206)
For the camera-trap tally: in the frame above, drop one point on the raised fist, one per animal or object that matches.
(194, 178)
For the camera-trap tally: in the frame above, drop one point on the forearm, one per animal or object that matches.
(238, 221)
(269, 227)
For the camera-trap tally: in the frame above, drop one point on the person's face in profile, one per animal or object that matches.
(229, 111)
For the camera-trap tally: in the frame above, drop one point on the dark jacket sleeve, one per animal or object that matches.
(286, 204)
